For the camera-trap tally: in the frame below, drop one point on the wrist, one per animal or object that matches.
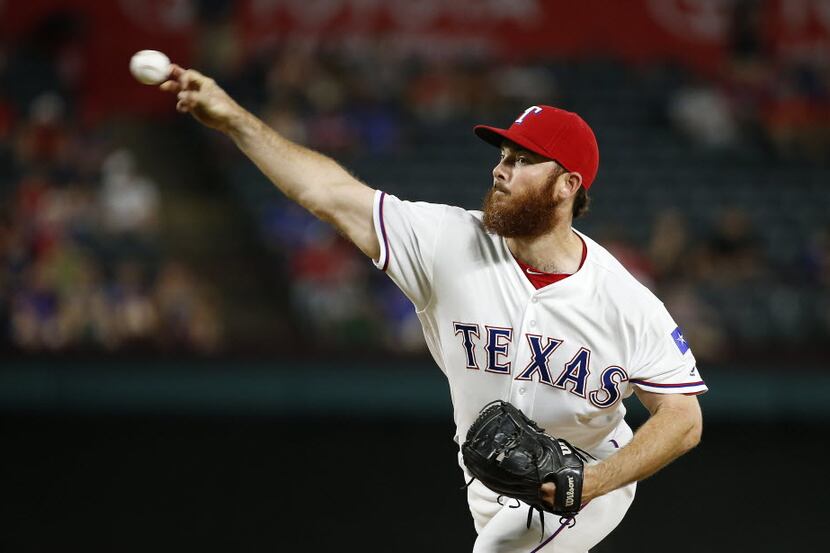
(240, 125)
(592, 482)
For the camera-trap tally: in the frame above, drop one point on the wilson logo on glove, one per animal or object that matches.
(569, 496)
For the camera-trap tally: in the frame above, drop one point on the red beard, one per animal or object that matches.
(526, 215)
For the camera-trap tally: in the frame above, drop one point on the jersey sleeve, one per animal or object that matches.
(664, 362)
(408, 235)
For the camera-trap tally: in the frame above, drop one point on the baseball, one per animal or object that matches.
(150, 66)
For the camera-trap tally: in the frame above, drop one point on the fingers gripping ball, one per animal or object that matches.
(513, 457)
(150, 66)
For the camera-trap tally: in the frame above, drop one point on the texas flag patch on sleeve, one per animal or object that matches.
(679, 340)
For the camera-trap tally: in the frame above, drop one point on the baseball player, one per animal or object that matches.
(515, 304)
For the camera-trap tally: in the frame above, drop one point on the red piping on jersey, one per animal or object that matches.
(383, 233)
(656, 385)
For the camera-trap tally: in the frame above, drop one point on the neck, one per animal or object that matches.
(557, 251)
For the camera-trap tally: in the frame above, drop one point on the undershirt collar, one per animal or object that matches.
(540, 279)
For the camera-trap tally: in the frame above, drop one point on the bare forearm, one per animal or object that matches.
(668, 434)
(309, 178)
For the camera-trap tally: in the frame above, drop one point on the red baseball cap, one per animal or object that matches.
(554, 133)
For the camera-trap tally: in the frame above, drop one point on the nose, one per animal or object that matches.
(500, 172)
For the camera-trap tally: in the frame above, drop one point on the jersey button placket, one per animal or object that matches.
(521, 395)
(522, 391)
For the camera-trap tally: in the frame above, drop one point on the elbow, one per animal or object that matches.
(694, 433)
(325, 202)
(322, 212)
(315, 203)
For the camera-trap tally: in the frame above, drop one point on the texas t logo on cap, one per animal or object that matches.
(553, 133)
(531, 109)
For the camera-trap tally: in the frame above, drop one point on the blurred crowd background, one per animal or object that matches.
(177, 341)
(127, 229)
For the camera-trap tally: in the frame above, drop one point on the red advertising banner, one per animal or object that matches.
(800, 30)
(696, 33)
(107, 34)
(637, 30)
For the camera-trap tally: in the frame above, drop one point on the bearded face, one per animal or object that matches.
(524, 214)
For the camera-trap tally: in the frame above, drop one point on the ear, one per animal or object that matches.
(569, 185)
(574, 182)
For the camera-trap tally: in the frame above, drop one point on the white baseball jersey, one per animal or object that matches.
(566, 354)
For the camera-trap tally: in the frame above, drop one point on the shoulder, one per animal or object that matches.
(466, 226)
(614, 279)
(460, 226)
(449, 215)
(466, 216)
(390, 202)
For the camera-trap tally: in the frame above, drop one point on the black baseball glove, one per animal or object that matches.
(512, 456)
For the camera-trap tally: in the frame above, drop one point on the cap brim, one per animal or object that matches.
(495, 136)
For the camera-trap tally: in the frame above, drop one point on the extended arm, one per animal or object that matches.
(674, 427)
(316, 182)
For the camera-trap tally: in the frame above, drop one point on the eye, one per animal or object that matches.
(522, 160)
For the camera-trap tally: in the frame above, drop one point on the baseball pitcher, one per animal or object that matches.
(540, 332)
